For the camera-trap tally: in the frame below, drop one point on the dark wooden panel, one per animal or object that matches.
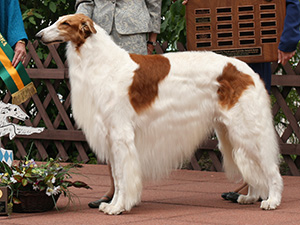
(68, 135)
(47, 73)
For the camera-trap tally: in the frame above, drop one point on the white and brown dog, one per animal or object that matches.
(146, 114)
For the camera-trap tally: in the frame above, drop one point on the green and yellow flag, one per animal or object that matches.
(16, 79)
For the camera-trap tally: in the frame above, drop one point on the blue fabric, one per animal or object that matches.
(11, 23)
(291, 34)
(288, 40)
(264, 71)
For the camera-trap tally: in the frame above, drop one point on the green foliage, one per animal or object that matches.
(172, 23)
(38, 14)
(295, 60)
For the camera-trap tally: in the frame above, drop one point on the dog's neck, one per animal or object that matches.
(98, 51)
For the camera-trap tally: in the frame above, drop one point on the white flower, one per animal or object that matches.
(53, 180)
(49, 191)
(56, 190)
(12, 179)
(17, 173)
(35, 187)
(53, 191)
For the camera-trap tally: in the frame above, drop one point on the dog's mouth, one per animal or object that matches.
(48, 40)
(51, 42)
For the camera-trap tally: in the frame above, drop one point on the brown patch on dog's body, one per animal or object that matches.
(76, 28)
(144, 88)
(232, 85)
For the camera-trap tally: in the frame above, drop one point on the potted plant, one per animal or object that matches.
(35, 187)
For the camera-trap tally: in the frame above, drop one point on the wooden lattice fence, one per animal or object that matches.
(51, 108)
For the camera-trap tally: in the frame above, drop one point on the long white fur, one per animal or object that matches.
(186, 111)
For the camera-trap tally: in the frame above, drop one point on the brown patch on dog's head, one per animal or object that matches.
(232, 85)
(144, 88)
(76, 28)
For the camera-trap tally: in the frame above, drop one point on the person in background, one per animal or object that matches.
(12, 29)
(288, 42)
(133, 25)
(286, 50)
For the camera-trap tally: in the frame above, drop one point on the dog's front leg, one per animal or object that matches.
(126, 172)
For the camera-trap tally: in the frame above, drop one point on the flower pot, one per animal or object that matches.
(34, 201)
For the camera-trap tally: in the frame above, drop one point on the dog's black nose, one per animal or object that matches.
(39, 35)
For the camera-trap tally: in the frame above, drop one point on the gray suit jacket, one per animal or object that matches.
(130, 16)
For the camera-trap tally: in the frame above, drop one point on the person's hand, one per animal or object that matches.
(20, 53)
(151, 43)
(150, 49)
(185, 2)
(284, 57)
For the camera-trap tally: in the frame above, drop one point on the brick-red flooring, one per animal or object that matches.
(186, 197)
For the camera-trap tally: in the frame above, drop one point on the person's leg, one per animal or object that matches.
(243, 189)
(107, 197)
(110, 192)
(264, 71)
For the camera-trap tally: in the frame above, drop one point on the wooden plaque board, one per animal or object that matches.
(247, 29)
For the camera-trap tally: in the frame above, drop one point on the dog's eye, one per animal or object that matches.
(65, 23)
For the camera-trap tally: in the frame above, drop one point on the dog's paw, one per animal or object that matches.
(269, 204)
(103, 206)
(245, 200)
(111, 209)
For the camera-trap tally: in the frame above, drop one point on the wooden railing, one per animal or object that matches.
(51, 108)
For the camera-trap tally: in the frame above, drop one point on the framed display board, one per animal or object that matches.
(247, 29)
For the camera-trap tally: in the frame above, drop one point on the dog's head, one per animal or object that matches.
(10, 110)
(75, 28)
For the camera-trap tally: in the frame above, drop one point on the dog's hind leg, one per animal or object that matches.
(256, 155)
(270, 190)
(230, 166)
(225, 146)
(252, 152)
(269, 164)
(126, 173)
(275, 184)
(250, 198)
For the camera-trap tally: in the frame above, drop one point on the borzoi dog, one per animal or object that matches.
(146, 114)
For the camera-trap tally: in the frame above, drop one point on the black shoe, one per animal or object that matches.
(224, 195)
(233, 196)
(96, 204)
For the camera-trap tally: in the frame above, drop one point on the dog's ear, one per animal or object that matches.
(88, 28)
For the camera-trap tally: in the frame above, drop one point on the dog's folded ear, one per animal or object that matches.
(88, 28)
